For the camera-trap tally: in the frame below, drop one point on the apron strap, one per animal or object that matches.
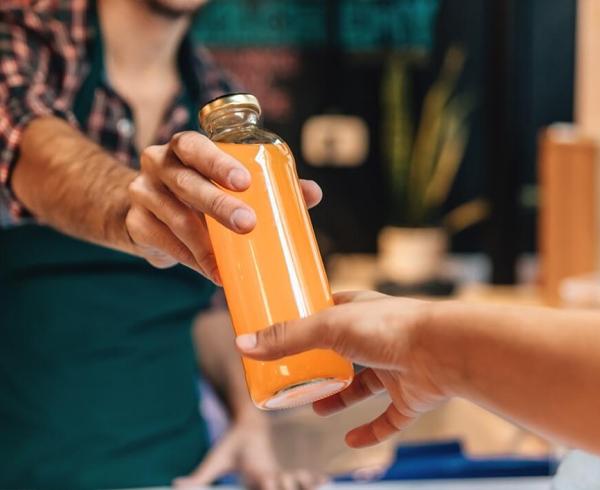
(84, 100)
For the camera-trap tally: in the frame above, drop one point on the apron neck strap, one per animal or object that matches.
(84, 99)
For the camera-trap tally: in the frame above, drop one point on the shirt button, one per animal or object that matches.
(125, 128)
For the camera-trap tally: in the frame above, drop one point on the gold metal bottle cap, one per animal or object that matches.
(242, 101)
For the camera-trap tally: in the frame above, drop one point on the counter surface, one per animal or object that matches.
(494, 484)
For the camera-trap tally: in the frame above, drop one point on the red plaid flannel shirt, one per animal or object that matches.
(44, 59)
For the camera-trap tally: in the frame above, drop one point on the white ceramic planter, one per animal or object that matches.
(411, 255)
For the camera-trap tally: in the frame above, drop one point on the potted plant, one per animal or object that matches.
(422, 161)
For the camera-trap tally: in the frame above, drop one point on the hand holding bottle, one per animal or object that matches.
(373, 330)
(537, 367)
(178, 185)
(275, 273)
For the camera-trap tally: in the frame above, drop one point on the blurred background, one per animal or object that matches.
(455, 143)
(307, 59)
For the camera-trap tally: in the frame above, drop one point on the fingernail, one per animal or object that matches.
(246, 342)
(239, 179)
(243, 219)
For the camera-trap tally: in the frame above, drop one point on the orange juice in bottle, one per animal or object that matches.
(275, 273)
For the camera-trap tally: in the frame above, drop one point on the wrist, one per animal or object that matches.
(241, 408)
(115, 228)
(443, 346)
(251, 416)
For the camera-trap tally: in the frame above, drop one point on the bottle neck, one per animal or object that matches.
(229, 119)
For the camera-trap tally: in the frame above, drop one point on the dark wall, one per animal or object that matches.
(353, 210)
(545, 93)
(520, 70)
(536, 87)
(329, 61)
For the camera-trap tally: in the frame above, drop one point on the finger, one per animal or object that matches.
(287, 481)
(357, 296)
(183, 222)
(387, 424)
(218, 463)
(365, 385)
(285, 339)
(344, 329)
(307, 480)
(198, 191)
(157, 258)
(312, 192)
(198, 152)
(321, 480)
(155, 240)
(264, 482)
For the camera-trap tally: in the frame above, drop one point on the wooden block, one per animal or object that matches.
(568, 232)
(588, 69)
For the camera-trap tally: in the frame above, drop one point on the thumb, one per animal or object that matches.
(287, 338)
(218, 462)
(312, 192)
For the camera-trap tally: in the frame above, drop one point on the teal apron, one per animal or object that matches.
(97, 368)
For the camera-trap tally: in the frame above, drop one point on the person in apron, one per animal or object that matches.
(97, 366)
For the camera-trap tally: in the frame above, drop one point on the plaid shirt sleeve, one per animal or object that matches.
(42, 44)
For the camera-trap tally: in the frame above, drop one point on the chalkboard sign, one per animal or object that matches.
(361, 24)
(371, 24)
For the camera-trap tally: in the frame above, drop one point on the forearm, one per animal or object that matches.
(221, 364)
(539, 367)
(71, 184)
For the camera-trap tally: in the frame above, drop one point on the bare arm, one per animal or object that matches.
(158, 213)
(220, 362)
(68, 182)
(538, 367)
(246, 447)
(71, 184)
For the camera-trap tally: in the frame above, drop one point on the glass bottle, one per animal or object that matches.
(275, 273)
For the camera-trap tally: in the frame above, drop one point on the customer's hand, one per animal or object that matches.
(178, 184)
(246, 449)
(376, 331)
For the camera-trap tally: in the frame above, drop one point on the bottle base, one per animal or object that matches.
(304, 393)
